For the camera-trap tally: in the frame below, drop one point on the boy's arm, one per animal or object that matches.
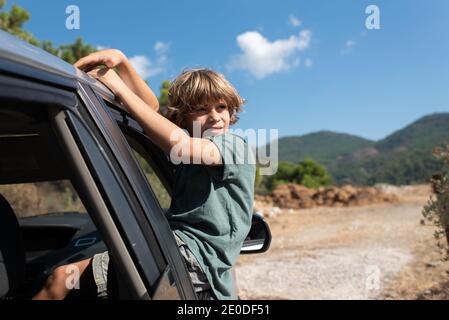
(137, 84)
(165, 134)
(113, 58)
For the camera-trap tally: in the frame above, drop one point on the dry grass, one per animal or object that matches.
(426, 278)
(31, 199)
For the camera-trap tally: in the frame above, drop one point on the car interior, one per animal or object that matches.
(43, 223)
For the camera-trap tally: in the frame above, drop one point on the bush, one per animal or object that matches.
(307, 173)
(436, 211)
(312, 175)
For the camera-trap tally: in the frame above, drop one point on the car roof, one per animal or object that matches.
(21, 53)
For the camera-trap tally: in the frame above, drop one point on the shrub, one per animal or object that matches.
(436, 211)
(307, 173)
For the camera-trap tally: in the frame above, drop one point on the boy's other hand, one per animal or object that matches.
(111, 58)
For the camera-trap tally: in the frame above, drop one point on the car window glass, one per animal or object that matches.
(161, 193)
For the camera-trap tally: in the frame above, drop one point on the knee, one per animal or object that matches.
(58, 275)
(55, 285)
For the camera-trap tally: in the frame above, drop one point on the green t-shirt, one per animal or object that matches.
(212, 207)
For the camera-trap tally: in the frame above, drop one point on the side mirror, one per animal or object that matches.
(259, 237)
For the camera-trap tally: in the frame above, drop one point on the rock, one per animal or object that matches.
(294, 196)
(433, 264)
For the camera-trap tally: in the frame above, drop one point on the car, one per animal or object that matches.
(79, 176)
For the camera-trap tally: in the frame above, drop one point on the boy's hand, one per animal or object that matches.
(111, 58)
(110, 79)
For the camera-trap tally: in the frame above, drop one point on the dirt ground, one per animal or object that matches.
(379, 251)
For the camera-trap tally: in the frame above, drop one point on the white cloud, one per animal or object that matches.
(349, 44)
(296, 62)
(262, 58)
(304, 39)
(295, 22)
(99, 47)
(308, 63)
(162, 59)
(161, 47)
(144, 67)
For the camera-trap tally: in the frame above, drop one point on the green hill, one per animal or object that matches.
(421, 134)
(323, 146)
(404, 157)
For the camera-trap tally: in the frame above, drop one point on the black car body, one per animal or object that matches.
(58, 124)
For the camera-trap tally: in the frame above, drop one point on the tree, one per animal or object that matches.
(284, 174)
(307, 173)
(13, 21)
(48, 46)
(258, 178)
(75, 51)
(311, 174)
(163, 97)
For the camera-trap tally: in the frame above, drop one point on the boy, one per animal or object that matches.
(212, 200)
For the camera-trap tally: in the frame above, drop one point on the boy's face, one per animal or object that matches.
(213, 118)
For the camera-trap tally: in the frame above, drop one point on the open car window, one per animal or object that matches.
(42, 198)
(144, 160)
(155, 165)
(41, 210)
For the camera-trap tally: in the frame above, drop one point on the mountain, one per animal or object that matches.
(421, 134)
(323, 146)
(404, 157)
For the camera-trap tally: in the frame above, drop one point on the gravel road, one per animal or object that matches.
(338, 253)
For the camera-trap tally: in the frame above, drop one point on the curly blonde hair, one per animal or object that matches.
(195, 88)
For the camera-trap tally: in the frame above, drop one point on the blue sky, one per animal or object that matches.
(320, 67)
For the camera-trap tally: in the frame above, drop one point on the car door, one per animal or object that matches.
(148, 209)
(83, 156)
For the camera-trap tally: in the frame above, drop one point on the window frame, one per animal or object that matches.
(98, 205)
(155, 218)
